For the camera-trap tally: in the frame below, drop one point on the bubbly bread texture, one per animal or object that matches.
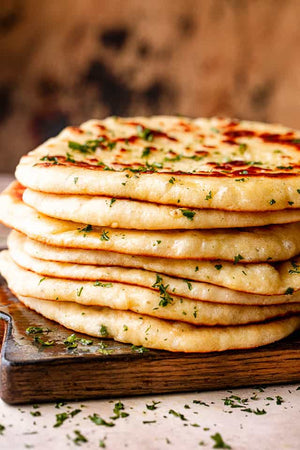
(213, 163)
(137, 329)
(258, 244)
(278, 283)
(122, 213)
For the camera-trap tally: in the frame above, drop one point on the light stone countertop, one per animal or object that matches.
(271, 422)
(146, 429)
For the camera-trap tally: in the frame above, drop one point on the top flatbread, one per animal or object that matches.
(202, 163)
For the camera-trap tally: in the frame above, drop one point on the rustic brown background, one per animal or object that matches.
(64, 61)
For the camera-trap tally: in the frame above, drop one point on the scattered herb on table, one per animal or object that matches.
(119, 411)
(199, 402)
(60, 418)
(177, 414)
(79, 438)
(99, 421)
(219, 442)
(153, 406)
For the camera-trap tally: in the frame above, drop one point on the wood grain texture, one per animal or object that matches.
(32, 373)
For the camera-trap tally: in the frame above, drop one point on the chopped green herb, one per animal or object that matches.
(60, 418)
(119, 411)
(71, 341)
(149, 421)
(219, 442)
(103, 349)
(289, 291)
(34, 330)
(39, 340)
(48, 158)
(177, 414)
(188, 213)
(199, 402)
(79, 291)
(79, 438)
(75, 180)
(218, 266)
(69, 158)
(2, 428)
(296, 268)
(99, 421)
(89, 146)
(111, 145)
(85, 229)
(145, 133)
(140, 349)
(104, 236)
(103, 331)
(272, 202)
(209, 196)
(102, 443)
(153, 406)
(259, 412)
(35, 413)
(41, 280)
(172, 180)
(125, 328)
(59, 404)
(237, 258)
(279, 400)
(242, 148)
(196, 269)
(215, 130)
(235, 402)
(166, 299)
(113, 200)
(84, 341)
(105, 285)
(189, 285)
(146, 152)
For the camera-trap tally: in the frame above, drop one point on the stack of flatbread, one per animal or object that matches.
(165, 232)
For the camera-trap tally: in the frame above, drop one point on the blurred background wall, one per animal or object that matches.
(65, 61)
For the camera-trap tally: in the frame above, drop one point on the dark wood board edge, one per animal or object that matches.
(119, 375)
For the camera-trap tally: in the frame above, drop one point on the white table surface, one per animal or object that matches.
(278, 428)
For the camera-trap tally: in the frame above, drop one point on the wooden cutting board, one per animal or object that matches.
(31, 372)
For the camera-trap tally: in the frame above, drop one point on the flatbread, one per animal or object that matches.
(121, 213)
(202, 163)
(128, 327)
(121, 296)
(272, 243)
(273, 280)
